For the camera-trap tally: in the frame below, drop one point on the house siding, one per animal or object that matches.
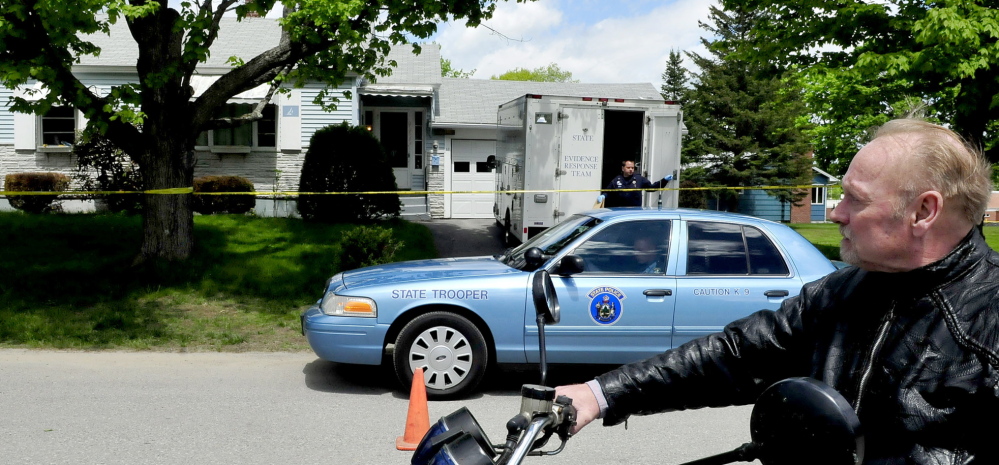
(819, 212)
(313, 116)
(756, 202)
(6, 118)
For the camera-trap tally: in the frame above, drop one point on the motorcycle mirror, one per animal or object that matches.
(802, 420)
(545, 300)
(534, 258)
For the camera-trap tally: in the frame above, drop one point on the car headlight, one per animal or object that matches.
(342, 305)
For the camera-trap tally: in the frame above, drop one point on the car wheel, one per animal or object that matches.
(450, 349)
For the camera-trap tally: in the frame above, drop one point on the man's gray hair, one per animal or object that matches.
(941, 160)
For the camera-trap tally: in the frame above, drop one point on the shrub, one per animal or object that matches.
(691, 198)
(207, 204)
(366, 246)
(35, 182)
(102, 166)
(342, 158)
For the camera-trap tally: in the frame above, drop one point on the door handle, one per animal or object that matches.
(658, 292)
(776, 293)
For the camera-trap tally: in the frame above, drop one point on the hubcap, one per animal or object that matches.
(444, 354)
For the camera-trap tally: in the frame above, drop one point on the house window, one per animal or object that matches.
(59, 127)
(418, 132)
(818, 196)
(259, 133)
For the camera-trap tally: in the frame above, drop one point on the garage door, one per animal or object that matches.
(470, 172)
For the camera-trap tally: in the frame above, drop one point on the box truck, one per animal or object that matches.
(554, 154)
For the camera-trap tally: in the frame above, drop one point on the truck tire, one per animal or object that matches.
(450, 349)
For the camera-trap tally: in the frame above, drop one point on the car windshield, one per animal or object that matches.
(551, 240)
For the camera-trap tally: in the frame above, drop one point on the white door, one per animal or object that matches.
(580, 160)
(471, 172)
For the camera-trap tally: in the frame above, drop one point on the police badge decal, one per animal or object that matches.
(605, 305)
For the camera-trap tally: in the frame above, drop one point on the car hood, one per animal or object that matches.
(425, 270)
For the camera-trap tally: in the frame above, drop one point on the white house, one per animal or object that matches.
(419, 116)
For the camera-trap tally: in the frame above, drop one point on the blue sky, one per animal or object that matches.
(598, 41)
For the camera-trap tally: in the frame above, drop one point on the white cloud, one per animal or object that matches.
(616, 49)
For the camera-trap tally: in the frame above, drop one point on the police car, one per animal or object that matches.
(631, 282)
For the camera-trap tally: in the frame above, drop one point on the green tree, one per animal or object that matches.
(741, 121)
(321, 40)
(842, 107)
(448, 70)
(550, 73)
(675, 78)
(941, 53)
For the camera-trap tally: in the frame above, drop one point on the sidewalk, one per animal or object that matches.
(466, 237)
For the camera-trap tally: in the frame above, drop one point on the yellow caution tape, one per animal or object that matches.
(190, 190)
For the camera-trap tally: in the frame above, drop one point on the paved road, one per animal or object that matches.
(279, 408)
(466, 237)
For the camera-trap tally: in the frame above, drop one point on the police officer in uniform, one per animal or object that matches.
(629, 179)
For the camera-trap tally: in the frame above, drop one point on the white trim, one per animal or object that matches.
(447, 125)
(289, 128)
(200, 83)
(397, 90)
(831, 177)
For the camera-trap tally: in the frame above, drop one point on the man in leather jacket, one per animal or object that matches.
(909, 335)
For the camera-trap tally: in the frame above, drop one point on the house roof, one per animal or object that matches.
(456, 107)
(424, 68)
(828, 176)
(250, 37)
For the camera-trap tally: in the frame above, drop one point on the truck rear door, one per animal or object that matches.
(580, 160)
(664, 136)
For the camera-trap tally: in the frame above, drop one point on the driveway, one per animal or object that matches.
(466, 237)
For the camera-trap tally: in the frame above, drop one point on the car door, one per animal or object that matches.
(619, 309)
(728, 271)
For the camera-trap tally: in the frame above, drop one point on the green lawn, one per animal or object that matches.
(68, 282)
(826, 237)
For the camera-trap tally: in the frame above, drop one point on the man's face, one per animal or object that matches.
(628, 169)
(873, 238)
(645, 250)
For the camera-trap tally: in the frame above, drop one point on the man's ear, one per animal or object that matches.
(928, 210)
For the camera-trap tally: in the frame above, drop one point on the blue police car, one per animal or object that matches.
(632, 283)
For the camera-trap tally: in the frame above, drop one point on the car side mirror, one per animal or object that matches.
(534, 258)
(570, 265)
(491, 161)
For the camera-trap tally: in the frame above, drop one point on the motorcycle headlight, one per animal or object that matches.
(342, 305)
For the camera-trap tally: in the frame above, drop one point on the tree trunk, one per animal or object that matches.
(168, 221)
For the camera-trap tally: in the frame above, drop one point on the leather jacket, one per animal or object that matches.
(915, 353)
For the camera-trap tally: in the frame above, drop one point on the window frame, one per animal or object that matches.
(626, 248)
(821, 191)
(208, 143)
(40, 134)
(745, 250)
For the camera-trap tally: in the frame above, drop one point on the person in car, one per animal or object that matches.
(647, 256)
(909, 335)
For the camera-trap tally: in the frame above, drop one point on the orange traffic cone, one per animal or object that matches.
(418, 419)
